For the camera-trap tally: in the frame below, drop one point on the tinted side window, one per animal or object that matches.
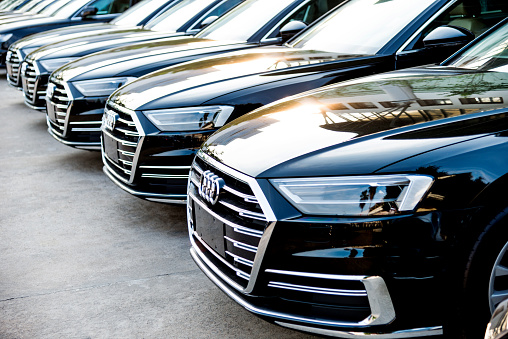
(474, 15)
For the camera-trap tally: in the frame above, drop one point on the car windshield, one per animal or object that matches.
(245, 20)
(178, 15)
(488, 54)
(361, 26)
(134, 15)
(36, 6)
(56, 7)
(71, 7)
(11, 5)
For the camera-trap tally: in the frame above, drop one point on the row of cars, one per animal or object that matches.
(371, 205)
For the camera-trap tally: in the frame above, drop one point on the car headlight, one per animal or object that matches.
(101, 87)
(51, 64)
(355, 196)
(5, 37)
(189, 118)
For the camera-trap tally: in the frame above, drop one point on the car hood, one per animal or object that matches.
(55, 35)
(99, 41)
(364, 125)
(28, 22)
(113, 61)
(166, 88)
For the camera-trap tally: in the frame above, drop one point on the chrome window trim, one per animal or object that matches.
(434, 17)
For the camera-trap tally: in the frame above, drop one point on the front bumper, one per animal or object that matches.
(310, 325)
(380, 277)
(145, 162)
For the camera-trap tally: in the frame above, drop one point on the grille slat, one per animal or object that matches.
(13, 66)
(244, 222)
(127, 137)
(60, 105)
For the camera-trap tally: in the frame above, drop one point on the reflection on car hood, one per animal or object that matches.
(54, 35)
(136, 54)
(102, 40)
(28, 22)
(177, 79)
(363, 125)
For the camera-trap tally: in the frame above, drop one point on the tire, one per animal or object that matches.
(485, 281)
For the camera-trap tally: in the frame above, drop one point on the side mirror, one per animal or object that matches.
(88, 12)
(291, 29)
(208, 21)
(448, 36)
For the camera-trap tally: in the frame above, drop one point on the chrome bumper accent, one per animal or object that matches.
(91, 146)
(412, 333)
(313, 321)
(165, 198)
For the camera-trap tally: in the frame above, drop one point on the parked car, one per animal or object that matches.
(32, 10)
(138, 15)
(176, 106)
(370, 207)
(88, 82)
(74, 12)
(185, 18)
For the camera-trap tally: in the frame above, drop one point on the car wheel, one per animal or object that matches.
(485, 281)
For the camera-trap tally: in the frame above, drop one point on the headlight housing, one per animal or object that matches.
(101, 87)
(189, 118)
(51, 64)
(5, 37)
(355, 196)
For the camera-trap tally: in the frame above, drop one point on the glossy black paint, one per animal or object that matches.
(270, 73)
(78, 47)
(56, 35)
(440, 121)
(139, 59)
(39, 24)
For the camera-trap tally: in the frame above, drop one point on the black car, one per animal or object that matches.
(87, 83)
(172, 111)
(371, 207)
(75, 12)
(187, 17)
(138, 15)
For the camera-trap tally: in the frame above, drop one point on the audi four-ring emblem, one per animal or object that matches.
(210, 187)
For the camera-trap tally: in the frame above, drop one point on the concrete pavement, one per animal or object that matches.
(80, 258)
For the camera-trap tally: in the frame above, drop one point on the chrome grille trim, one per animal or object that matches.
(210, 250)
(60, 104)
(241, 260)
(127, 132)
(241, 245)
(248, 231)
(123, 142)
(13, 62)
(256, 189)
(163, 176)
(243, 212)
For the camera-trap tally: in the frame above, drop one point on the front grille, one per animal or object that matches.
(13, 63)
(30, 77)
(34, 88)
(60, 102)
(126, 138)
(242, 219)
